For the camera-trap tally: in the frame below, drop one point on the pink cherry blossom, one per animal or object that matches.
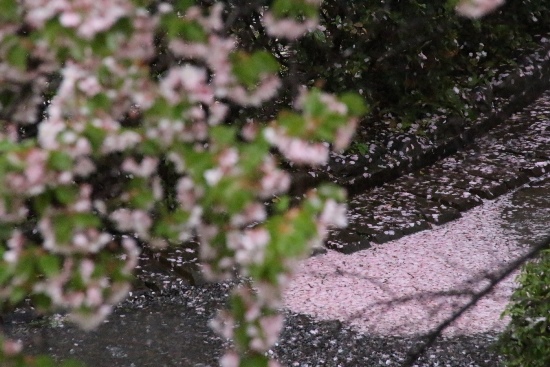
(146, 168)
(477, 8)
(230, 359)
(297, 150)
(11, 347)
(286, 27)
(90, 320)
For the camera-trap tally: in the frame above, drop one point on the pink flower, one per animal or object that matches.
(90, 320)
(254, 212)
(146, 168)
(70, 19)
(218, 112)
(334, 214)
(286, 27)
(48, 132)
(271, 327)
(132, 220)
(87, 267)
(344, 135)
(94, 297)
(274, 180)
(267, 89)
(297, 150)
(187, 81)
(230, 359)
(11, 347)
(477, 8)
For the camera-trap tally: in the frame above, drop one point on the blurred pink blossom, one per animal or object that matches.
(286, 27)
(11, 347)
(477, 8)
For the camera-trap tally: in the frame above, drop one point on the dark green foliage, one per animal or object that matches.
(408, 56)
(526, 342)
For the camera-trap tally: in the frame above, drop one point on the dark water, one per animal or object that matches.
(171, 329)
(528, 215)
(156, 335)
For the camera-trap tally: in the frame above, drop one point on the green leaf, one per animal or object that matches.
(45, 361)
(355, 103)
(63, 228)
(50, 265)
(10, 10)
(99, 102)
(248, 68)
(223, 135)
(41, 301)
(42, 202)
(189, 30)
(17, 295)
(282, 204)
(95, 135)
(332, 191)
(313, 106)
(254, 361)
(6, 145)
(142, 199)
(255, 154)
(294, 8)
(150, 147)
(182, 5)
(17, 56)
(5, 273)
(66, 194)
(85, 220)
(60, 161)
(295, 124)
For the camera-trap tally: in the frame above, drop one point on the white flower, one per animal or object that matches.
(213, 176)
(477, 8)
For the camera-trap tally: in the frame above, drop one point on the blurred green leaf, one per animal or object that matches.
(85, 220)
(65, 194)
(355, 103)
(17, 294)
(294, 8)
(182, 5)
(10, 11)
(223, 135)
(248, 68)
(42, 201)
(189, 30)
(50, 265)
(60, 161)
(63, 228)
(95, 135)
(17, 56)
(294, 124)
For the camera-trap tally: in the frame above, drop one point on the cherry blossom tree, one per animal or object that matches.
(103, 153)
(116, 134)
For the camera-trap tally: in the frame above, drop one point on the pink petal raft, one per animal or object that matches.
(406, 287)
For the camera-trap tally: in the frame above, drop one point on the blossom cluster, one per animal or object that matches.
(102, 151)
